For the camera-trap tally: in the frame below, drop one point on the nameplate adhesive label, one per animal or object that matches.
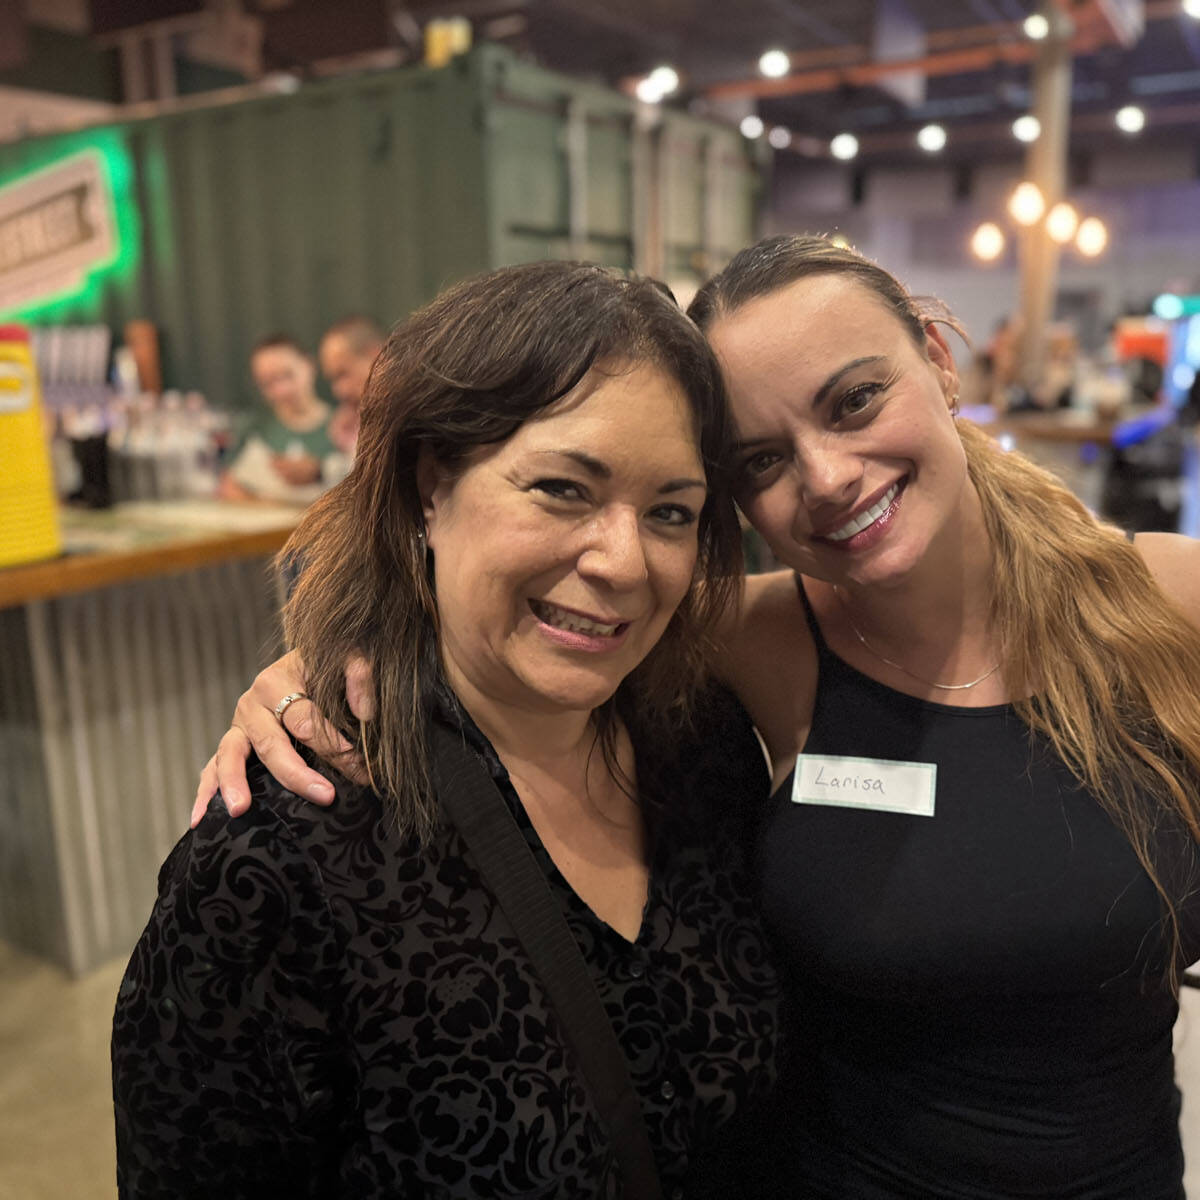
(879, 784)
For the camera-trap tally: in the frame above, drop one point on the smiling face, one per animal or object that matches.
(285, 377)
(561, 553)
(850, 466)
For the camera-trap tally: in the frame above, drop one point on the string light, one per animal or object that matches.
(1130, 119)
(1061, 222)
(1027, 204)
(844, 146)
(987, 242)
(1027, 128)
(1092, 237)
(931, 138)
(660, 83)
(775, 64)
(666, 79)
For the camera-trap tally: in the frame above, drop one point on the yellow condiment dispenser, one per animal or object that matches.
(28, 511)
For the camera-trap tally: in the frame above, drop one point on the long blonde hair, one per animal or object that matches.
(1113, 662)
(1114, 665)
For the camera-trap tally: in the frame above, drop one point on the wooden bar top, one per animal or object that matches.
(142, 539)
(1056, 425)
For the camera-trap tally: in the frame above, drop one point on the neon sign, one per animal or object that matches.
(65, 228)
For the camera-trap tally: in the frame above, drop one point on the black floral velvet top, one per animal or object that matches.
(318, 1008)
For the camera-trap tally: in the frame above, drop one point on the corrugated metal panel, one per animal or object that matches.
(368, 194)
(110, 702)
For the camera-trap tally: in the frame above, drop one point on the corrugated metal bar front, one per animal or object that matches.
(112, 701)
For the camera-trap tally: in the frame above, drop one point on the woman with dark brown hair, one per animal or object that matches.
(980, 861)
(347, 1003)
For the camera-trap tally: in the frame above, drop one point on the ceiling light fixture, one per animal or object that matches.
(987, 242)
(660, 83)
(1027, 128)
(931, 138)
(1027, 204)
(751, 127)
(1061, 222)
(779, 137)
(666, 79)
(1192, 8)
(775, 64)
(1036, 27)
(1130, 119)
(844, 146)
(1092, 237)
(647, 91)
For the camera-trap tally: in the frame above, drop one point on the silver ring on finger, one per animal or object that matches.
(285, 704)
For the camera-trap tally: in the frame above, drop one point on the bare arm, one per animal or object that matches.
(297, 471)
(767, 657)
(1174, 561)
(254, 727)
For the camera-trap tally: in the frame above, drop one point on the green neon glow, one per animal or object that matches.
(84, 301)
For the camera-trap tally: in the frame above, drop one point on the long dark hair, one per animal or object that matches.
(468, 370)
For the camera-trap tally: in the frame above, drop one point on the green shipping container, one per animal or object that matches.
(370, 193)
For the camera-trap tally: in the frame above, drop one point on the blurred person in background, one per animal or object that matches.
(346, 353)
(281, 451)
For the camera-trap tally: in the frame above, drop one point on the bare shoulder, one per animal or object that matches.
(769, 660)
(769, 601)
(1174, 561)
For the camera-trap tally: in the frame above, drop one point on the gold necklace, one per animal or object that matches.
(945, 687)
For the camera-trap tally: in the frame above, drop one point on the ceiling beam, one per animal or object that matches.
(953, 52)
(966, 49)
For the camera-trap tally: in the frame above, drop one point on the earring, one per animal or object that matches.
(954, 405)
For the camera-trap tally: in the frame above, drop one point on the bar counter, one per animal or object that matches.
(120, 662)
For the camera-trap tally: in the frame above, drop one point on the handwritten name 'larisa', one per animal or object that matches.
(852, 783)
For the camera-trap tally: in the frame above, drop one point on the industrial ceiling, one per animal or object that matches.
(879, 69)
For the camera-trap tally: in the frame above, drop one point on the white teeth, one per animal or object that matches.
(572, 622)
(872, 514)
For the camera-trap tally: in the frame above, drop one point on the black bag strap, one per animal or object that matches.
(471, 799)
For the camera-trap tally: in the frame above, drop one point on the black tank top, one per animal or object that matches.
(976, 998)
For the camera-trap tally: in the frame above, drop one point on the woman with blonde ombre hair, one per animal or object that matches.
(979, 865)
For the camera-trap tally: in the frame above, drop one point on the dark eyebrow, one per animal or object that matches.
(833, 380)
(593, 466)
(601, 470)
(821, 395)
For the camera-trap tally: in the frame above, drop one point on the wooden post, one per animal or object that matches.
(1046, 166)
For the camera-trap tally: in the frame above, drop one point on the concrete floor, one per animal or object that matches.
(56, 1139)
(56, 1132)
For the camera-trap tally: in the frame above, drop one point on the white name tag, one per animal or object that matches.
(880, 784)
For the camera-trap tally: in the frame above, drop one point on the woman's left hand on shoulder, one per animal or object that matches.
(255, 727)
